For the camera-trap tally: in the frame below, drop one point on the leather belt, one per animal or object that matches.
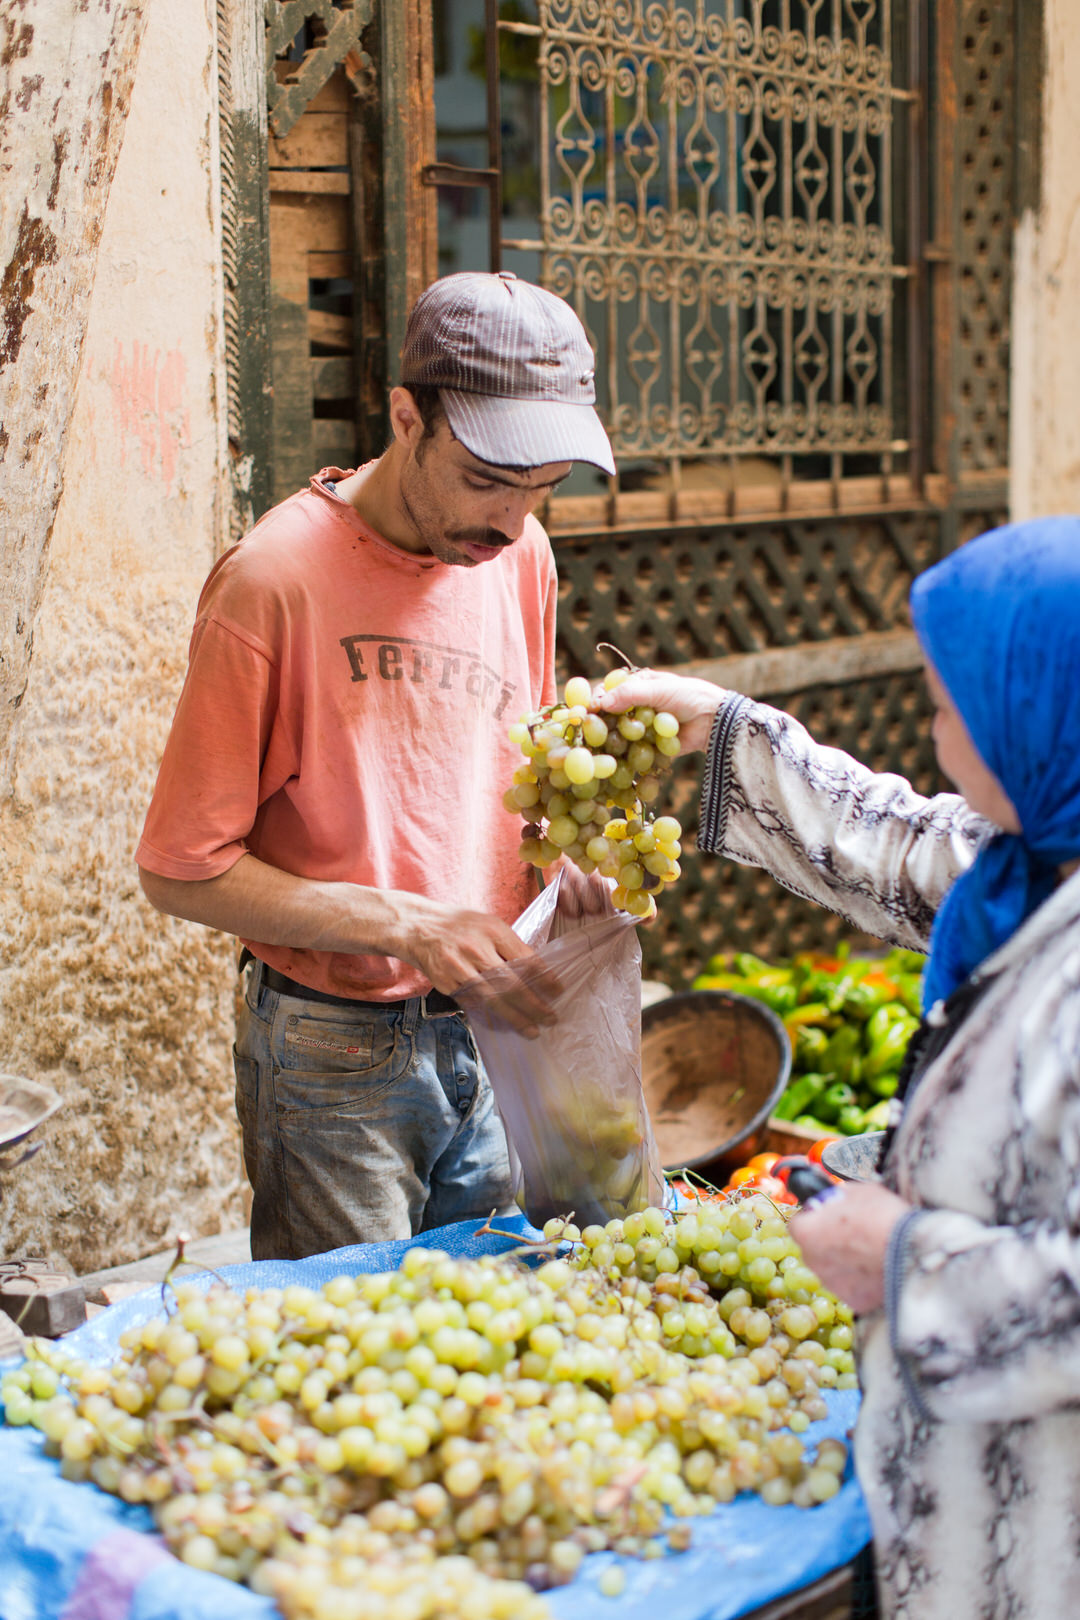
(435, 1003)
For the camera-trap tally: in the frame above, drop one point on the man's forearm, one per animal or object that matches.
(255, 901)
(449, 944)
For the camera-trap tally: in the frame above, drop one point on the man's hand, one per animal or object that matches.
(449, 944)
(844, 1239)
(454, 947)
(693, 703)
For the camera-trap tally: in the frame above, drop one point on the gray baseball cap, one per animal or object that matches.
(514, 369)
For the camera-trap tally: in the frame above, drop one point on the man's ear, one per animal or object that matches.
(405, 420)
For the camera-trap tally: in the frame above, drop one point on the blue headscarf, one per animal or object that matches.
(1000, 622)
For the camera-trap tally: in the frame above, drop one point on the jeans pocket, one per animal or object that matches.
(346, 1065)
(247, 1109)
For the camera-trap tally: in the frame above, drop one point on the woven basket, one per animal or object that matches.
(713, 1066)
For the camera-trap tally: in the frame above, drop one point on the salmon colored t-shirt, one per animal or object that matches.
(344, 718)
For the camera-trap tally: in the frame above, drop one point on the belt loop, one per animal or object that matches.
(411, 1013)
(255, 984)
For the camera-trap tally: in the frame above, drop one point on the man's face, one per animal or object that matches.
(463, 510)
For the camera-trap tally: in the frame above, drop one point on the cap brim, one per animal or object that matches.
(527, 432)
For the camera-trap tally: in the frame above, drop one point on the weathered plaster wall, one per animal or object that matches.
(1045, 400)
(127, 1014)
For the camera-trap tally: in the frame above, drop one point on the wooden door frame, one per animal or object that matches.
(386, 49)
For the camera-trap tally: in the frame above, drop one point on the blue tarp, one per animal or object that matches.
(71, 1552)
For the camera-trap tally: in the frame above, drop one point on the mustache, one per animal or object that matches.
(479, 537)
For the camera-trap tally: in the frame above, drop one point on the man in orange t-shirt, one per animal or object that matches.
(331, 788)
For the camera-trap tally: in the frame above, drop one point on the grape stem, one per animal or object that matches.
(610, 646)
(690, 1176)
(523, 1245)
(177, 1261)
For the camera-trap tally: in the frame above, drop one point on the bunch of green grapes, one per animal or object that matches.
(449, 1438)
(732, 1268)
(585, 789)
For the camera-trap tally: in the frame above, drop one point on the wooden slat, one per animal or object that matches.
(290, 346)
(316, 141)
(334, 442)
(410, 209)
(812, 663)
(335, 95)
(828, 1598)
(333, 330)
(316, 181)
(565, 514)
(332, 377)
(328, 225)
(330, 265)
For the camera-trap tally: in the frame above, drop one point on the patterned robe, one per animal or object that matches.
(968, 1438)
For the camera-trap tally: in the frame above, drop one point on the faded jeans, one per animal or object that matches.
(363, 1125)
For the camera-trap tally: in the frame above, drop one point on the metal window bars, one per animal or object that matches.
(730, 196)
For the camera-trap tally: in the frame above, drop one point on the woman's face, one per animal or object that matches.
(962, 763)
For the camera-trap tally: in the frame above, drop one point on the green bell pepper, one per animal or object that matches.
(886, 1054)
(851, 1120)
(750, 966)
(814, 1015)
(835, 1096)
(817, 1125)
(910, 985)
(878, 1026)
(901, 961)
(800, 1094)
(809, 1047)
(843, 1052)
(863, 1000)
(780, 997)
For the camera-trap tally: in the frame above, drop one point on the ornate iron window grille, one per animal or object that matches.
(718, 198)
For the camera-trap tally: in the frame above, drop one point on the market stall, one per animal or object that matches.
(68, 1549)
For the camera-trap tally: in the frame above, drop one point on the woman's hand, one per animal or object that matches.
(581, 896)
(693, 703)
(844, 1239)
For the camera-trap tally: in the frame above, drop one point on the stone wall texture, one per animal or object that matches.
(127, 1014)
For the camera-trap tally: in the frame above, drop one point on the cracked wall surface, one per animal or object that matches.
(1044, 417)
(126, 1013)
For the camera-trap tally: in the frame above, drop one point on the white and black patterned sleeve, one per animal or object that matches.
(984, 1316)
(864, 844)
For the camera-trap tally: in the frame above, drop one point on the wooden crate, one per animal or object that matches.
(829, 1598)
(781, 1136)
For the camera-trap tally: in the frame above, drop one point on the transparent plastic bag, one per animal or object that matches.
(570, 1097)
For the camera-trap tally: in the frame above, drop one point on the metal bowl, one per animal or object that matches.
(24, 1105)
(854, 1158)
(713, 1066)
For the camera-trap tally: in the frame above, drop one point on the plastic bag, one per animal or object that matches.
(570, 1098)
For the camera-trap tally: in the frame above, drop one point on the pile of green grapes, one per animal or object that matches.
(585, 790)
(450, 1438)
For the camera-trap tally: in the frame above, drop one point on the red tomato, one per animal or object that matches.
(774, 1189)
(814, 1153)
(763, 1162)
(740, 1177)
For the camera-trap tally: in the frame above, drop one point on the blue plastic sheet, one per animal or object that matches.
(71, 1552)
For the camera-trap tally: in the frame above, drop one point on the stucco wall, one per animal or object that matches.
(127, 1014)
(1045, 397)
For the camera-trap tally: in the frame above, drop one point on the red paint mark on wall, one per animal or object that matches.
(148, 404)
